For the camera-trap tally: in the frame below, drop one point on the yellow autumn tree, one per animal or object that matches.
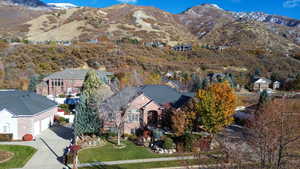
(216, 107)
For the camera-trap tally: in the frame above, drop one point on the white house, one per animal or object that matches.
(25, 113)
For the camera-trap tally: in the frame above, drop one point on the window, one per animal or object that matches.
(133, 117)
(111, 116)
(6, 128)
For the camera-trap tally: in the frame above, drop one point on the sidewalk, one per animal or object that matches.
(137, 161)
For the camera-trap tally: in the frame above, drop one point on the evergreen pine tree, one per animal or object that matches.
(91, 83)
(86, 119)
(263, 99)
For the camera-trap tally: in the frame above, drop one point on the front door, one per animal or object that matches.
(152, 118)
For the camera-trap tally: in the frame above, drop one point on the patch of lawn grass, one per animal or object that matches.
(110, 153)
(21, 155)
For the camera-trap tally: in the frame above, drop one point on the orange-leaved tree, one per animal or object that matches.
(182, 121)
(216, 107)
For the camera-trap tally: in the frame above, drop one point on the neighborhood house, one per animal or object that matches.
(67, 82)
(24, 113)
(261, 84)
(143, 106)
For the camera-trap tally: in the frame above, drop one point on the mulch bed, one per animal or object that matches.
(5, 156)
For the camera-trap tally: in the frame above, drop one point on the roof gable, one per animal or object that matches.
(263, 80)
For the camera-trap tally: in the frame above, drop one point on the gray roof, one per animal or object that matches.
(160, 94)
(23, 103)
(120, 100)
(75, 74)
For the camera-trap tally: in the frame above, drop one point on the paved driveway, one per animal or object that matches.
(50, 145)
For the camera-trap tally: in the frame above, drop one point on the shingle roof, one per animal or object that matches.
(75, 74)
(120, 100)
(22, 103)
(160, 94)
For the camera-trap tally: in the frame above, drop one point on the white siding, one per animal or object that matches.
(8, 123)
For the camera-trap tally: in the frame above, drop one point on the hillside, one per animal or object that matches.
(116, 22)
(221, 42)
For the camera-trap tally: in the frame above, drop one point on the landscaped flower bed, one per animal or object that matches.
(5, 156)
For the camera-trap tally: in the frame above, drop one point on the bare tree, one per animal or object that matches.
(275, 131)
(114, 109)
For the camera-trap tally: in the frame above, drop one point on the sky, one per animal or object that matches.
(290, 8)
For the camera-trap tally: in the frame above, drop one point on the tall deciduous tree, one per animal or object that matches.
(275, 134)
(216, 106)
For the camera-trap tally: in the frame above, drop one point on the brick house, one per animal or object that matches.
(143, 106)
(25, 113)
(261, 84)
(68, 82)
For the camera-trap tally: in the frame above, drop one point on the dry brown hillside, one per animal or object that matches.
(141, 23)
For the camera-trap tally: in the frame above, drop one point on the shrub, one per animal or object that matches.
(132, 138)
(65, 108)
(62, 96)
(27, 137)
(6, 137)
(168, 143)
(157, 133)
(188, 140)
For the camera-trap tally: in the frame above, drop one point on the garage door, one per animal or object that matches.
(36, 128)
(45, 123)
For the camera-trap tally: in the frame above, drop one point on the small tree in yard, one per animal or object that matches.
(182, 121)
(115, 108)
(216, 107)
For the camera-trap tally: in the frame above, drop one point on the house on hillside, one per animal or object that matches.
(68, 82)
(142, 106)
(261, 84)
(276, 85)
(25, 113)
(184, 47)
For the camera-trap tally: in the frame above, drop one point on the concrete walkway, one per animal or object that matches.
(50, 147)
(137, 161)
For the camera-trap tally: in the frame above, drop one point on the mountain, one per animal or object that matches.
(116, 22)
(263, 17)
(206, 18)
(61, 6)
(29, 3)
(221, 41)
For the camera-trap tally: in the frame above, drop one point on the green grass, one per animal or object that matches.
(21, 155)
(109, 153)
(146, 165)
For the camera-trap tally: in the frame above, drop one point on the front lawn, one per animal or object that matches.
(21, 155)
(110, 153)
